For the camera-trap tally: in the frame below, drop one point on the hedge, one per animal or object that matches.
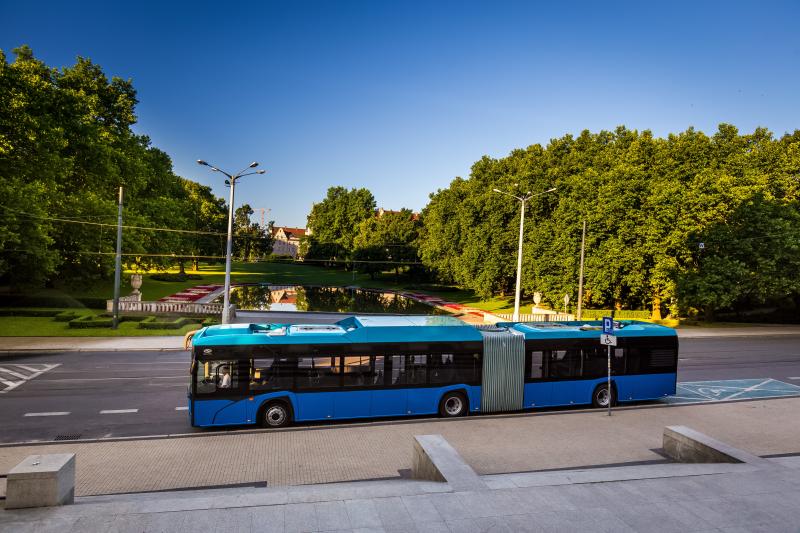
(90, 321)
(29, 312)
(153, 322)
(55, 300)
(168, 276)
(626, 314)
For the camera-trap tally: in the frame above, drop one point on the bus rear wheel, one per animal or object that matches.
(601, 396)
(276, 415)
(453, 404)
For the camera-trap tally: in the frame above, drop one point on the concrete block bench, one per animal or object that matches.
(41, 481)
(686, 445)
(435, 460)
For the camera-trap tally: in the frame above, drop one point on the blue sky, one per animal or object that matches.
(400, 97)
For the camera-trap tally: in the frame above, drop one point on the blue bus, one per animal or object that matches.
(385, 366)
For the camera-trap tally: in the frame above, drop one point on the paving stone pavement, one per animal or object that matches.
(349, 452)
(681, 498)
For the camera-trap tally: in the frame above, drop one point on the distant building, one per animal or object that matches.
(287, 240)
(381, 211)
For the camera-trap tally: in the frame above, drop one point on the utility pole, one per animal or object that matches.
(580, 281)
(117, 267)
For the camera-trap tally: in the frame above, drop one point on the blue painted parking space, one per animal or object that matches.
(731, 389)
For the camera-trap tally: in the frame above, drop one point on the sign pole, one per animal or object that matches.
(609, 380)
(609, 340)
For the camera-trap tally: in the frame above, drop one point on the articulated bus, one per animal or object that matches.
(386, 366)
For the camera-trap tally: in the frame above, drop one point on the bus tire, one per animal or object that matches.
(453, 404)
(601, 396)
(276, 414)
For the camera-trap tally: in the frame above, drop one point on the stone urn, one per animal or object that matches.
(136, 283)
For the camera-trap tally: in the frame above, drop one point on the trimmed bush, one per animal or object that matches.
(153, 322)
(54, 300)
(29, 312)
(171, 276)
(626, 314)
(90, 321)
(66, 316)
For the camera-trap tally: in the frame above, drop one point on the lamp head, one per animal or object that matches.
(214, 169)
(261, 172)
(201, 162)
(254, 164)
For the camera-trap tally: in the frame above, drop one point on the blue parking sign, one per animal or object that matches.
(608, 325)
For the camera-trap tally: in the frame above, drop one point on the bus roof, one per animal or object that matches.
(357, 329)
(587, 329)
(409, 328)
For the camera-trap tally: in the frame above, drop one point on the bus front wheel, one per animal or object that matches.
(276, 415)
(453, 404)
(601, 396)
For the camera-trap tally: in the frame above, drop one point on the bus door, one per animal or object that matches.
(538, 392)
(220, 388)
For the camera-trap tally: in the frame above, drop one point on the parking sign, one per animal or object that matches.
(608, 325)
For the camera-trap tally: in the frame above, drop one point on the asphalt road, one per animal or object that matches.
(118, 394)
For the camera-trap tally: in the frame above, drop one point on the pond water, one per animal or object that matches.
(316, 298)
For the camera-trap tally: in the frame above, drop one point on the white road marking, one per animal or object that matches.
(37, 369)
(118, 411)
(796, 377)
(15, 374)
(182, 408)
(54, 413)
(748, 389)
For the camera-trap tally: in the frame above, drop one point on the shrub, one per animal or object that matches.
(29, 312)
(153, 322)
(90, 321)
(172, 276)
(51, 300)
(431, 287)
(626, 314)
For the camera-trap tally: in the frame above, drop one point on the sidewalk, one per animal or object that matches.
(676, 497)
(351, 452)
(79, 344)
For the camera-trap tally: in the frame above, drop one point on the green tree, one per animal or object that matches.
(333, 222)
(389, 240)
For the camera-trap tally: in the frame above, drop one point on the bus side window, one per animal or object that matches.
(363, 371)
(317, 372)
(271, 373)
(536, 358)
(213, 376)
(409, 369)
(441, 368)
(618, 361)
(595, 362)
(398, 370)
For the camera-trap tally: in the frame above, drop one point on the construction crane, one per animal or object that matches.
(264, 213)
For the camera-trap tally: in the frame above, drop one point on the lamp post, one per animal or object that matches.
(226, 301)
(522, 200)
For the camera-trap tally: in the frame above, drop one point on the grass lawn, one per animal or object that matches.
(273, 273)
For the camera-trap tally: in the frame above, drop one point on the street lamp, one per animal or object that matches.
(522, 200)
(232, 180)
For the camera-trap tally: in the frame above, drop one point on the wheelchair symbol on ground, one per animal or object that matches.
(731, 389)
